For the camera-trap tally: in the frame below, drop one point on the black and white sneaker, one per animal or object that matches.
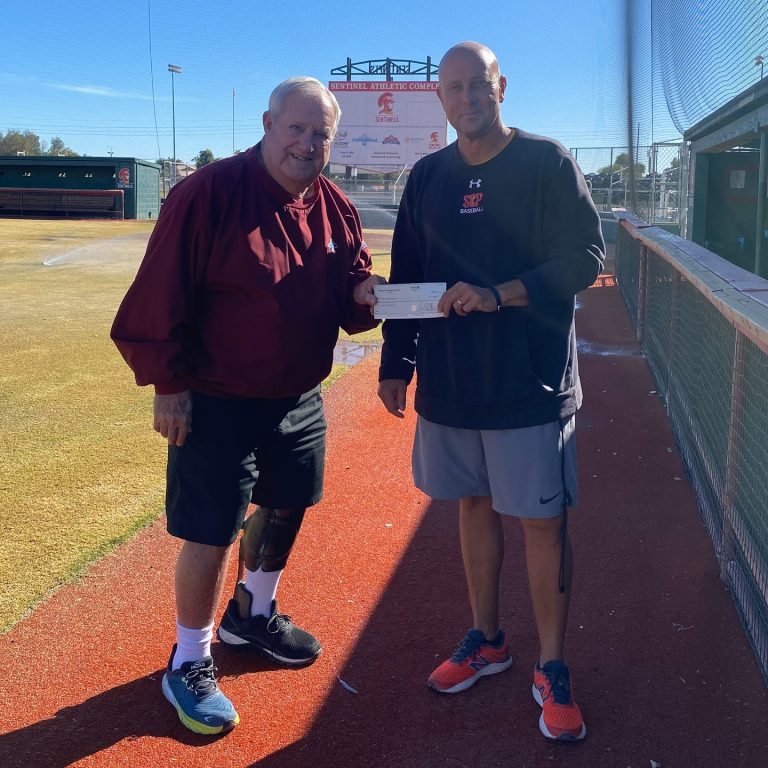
(276, 637)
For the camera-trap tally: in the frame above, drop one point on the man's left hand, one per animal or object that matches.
(363, 293)
(464, 298)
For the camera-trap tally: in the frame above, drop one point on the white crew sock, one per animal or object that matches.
(263, 587)
(191, 644)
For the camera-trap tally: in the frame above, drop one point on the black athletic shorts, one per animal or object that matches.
(269, 452)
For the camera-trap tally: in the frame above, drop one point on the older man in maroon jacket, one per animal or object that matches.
(255, 263)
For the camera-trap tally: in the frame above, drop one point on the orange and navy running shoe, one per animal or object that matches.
(561, 718)
(474, 658)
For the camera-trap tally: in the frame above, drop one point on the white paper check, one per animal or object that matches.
(407, 300)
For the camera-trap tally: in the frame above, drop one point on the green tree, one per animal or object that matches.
(203, 157)
(15, 142)
(58, 147)
(29, 143)
(620, 163)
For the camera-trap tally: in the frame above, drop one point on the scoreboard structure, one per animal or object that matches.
(387, 123)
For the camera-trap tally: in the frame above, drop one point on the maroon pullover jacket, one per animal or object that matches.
(242, 289)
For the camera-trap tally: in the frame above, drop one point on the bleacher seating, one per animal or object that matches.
(46, 202)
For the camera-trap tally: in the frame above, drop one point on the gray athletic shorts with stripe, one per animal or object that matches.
(523, 470)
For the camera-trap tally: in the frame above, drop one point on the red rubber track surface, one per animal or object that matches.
(660, 665)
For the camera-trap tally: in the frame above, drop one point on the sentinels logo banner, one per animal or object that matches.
(387, 124)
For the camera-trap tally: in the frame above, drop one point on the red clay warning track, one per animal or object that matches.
(660, 664)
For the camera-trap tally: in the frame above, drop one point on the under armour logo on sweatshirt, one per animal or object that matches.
(475, 183)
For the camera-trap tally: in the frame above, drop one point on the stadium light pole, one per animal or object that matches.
(174, 69)
(759, 62)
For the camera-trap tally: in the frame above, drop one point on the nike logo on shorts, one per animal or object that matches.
(542, 500)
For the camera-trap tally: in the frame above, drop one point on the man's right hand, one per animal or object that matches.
(392, 394)
(173, 416)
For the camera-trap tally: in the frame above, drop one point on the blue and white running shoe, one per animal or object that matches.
(194, 693)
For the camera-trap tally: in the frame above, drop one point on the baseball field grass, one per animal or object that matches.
(81, 469)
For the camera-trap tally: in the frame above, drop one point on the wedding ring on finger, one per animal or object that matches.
(460, 302)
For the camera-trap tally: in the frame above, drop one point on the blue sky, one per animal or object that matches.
(83, 70)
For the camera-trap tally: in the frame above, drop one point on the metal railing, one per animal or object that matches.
(379, 194)
(704, 333)
(658, 178)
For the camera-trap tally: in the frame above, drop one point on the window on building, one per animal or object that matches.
(738, 178)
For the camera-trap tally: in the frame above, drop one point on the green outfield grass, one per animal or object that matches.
(82, 469)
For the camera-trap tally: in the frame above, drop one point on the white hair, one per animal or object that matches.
(307, 87)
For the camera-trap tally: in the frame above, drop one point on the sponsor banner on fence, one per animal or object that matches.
(387, 123)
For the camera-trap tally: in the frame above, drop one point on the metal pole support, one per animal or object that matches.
(761, 193)
(642, 291)
(726, 549)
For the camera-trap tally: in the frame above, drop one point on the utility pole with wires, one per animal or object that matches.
(174, 69)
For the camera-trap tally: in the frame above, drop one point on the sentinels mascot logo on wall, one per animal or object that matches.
(386, 104)
(124, 179)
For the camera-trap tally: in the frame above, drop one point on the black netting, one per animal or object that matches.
(704, 54)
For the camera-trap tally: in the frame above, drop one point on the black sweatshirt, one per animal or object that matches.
(526, 214)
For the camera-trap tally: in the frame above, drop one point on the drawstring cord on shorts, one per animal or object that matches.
(566, 502)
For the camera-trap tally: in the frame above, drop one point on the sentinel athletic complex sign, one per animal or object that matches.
(387, 123)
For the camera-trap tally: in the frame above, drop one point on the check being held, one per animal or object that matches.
(407, 301)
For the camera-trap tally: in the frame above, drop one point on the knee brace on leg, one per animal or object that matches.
(267, 539)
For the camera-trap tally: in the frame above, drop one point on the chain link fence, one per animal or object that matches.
(706, 342)
(656, 171)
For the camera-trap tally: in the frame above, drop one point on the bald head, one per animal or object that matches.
(471, 91)
(467, 51)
